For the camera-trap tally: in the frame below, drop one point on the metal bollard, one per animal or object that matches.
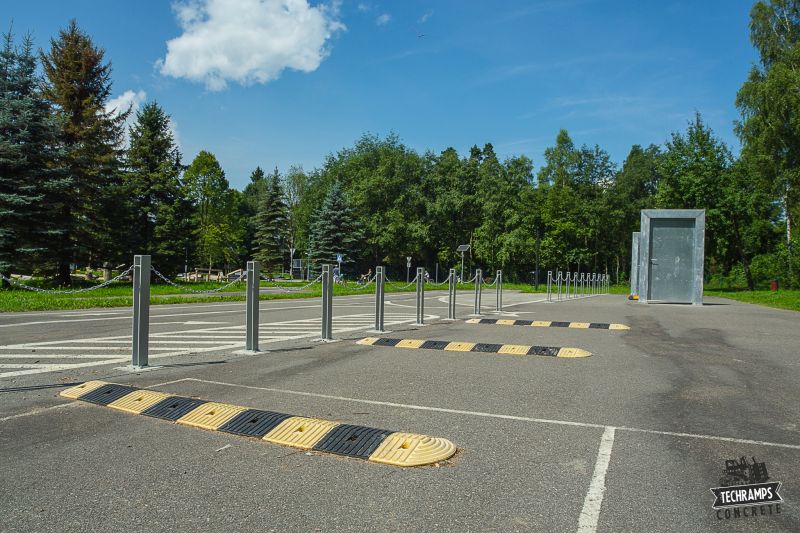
(327, 303)
(420, 297)
(141, 310)
(567, 284)
(498, 306)
(574, 284)
(380, 278)
(549, 285)
(451, 296)
(478, 289)
(558, 283)
(253, 285)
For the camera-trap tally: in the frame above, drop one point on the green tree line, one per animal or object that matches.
(76, 189)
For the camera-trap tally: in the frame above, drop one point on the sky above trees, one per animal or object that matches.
(263, 83)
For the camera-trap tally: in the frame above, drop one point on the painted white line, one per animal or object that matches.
(40, 410)
(58, 367)
(587, 523)
(501, 416)
(37, 355)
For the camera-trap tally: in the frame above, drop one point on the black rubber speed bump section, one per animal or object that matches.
(480, 347)
(434, 345)
(372, 444)
(486, 348)
(548, 324)
(354, 441)
(173, 407)
(106, 394)
(253, 423)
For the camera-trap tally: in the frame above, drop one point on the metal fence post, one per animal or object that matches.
(567, 283)
(559, 276)
(141, 310)
(478, 288)
(253, 285)
(420, 297)
(451, 297)
(327, 303)
(380, 278)
(549, 285)
(499, 292)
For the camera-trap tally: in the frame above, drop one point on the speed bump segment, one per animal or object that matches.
(372, 444)
(478, 347)
(549, 324)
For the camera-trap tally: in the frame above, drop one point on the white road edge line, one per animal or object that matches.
(590, 514)
(504, 417)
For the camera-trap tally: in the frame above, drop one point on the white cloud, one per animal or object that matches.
(424, 18)
(364, 7)
(383, 19)
(127, 100)
(248, 41)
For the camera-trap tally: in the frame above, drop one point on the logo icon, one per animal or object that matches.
(745, 484)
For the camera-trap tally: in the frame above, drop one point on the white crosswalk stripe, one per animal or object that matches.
(77, 353)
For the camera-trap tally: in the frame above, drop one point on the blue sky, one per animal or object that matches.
(283, 82)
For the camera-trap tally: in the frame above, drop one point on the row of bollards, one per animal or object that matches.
(141, 303)
(576, 285)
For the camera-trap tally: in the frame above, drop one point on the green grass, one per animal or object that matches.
(781, 299)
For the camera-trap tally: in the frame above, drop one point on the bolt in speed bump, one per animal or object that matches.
(477, 347)
(549, 324)
(373, 444)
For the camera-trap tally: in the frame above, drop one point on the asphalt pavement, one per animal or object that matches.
(631, 438)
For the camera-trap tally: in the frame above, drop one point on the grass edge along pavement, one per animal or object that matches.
(21, 300)
(313, 434)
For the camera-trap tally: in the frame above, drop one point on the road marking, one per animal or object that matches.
(501, 416)
(587, 523)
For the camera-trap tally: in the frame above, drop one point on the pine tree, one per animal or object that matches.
(251, 198)
(335, 230)
(271, 226)
(28, 134)
(160, 223)
(79, 85)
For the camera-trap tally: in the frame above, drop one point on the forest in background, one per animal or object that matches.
(77, 189)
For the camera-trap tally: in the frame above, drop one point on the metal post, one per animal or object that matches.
(478, 289)
(141, 310)
(499, 292)
(549, 285)
(451, 296)
(558, 283)
(380, 278)
(420, 297)
(253, 285)
(462, 266)
(327, 303)
(567, 283)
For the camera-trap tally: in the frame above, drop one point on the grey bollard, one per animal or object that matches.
(253, 286)
(380, 278)
(549, 285)
(327, 303)
(451, 297)
(499, 292)
(420, 297)
(567, 284)
(476, 310)
(141, 310)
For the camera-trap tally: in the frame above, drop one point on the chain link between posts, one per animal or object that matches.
(195, 291)
(69, 291)
(292, 289)
(412, 282)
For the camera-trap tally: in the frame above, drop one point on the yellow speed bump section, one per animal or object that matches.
(579, 325)
(618, 326)
(459, 347)
(138, 401)
(409, 343)
(474, 321)
(83, 388)
(210, 415)
(409, 449)
(541, 323)
(505, 322)
(300, 432)
(369, 341)
(514, 349)
(573, 353)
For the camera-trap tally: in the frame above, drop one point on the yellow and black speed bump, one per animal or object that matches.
(373, 444)
(477, 347)
(548, 324)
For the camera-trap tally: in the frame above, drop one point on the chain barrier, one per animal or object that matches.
(292, 289)
(195, 291)
(365, 285)
(413, 281)
(69, 291)
(445, 282)
(576, 285)
(492, 284)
